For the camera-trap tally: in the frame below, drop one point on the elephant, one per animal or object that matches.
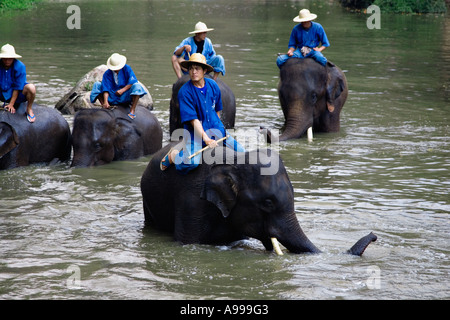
(46, 140)
(101, 136)
(311, 95)
(237, 196)
(228, 113)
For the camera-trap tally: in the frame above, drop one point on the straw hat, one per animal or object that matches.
(8, 51)
(197, 58)
(200, 27)
(304, 15)
(116, 62)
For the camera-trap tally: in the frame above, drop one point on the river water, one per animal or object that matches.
(70, 233)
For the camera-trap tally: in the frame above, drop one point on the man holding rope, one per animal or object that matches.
(200, 102)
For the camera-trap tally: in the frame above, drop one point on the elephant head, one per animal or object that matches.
(311, 95)
(259, 206)
(226, 201)
(101, 136)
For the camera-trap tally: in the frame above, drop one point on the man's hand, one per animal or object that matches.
(211, 143)
(10, 108)
(290, 53)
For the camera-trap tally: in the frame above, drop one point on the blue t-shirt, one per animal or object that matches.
(202, 104)
(125, 77)
(312, 37)
(14, 78)
(208, 49)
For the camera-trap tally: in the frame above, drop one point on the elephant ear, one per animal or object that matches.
(335, 86)
(125, 133)
(221, 188)
(8, 138)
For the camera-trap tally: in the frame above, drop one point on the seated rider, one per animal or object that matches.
(200, 102)
(199, 43)
(308, 40)
(14, 88)
(118, 86)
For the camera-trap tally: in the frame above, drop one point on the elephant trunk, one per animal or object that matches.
(360, 246)
(297, 121)
(293, 238)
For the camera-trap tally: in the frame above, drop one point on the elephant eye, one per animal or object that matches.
(314, 97)
(268, 204)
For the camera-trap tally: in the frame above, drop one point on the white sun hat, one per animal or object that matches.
(116, 62)
(201, 27)
(8, 51)
(304, 15)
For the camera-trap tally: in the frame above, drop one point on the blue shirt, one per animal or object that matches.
(14, 78)
(195, 104)
(208, 50)
(312, 37)
(125, 77)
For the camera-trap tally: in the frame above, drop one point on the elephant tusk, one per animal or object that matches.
(276, 246)
(310, 134)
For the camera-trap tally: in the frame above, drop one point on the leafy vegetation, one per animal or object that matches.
(400, 6)
(16, 4)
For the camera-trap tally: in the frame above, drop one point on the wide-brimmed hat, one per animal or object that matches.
(197, 58)
(304, 15)
(8, 51)
(116, 62)
(201, 27)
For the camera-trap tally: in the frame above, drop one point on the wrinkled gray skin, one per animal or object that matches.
(46, 140)
(221, 203)
(101, 136)
(306, 91)
(228, 112)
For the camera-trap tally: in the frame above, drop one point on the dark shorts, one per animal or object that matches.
(20, 98)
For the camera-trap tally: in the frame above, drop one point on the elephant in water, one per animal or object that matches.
(104, 135)
(228, 112)
(229, 197)
(22, 143)
(311, 95)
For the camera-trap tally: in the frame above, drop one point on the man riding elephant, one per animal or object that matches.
(308, 39)
(118, 86)
(200, 105)
(14, 88)
(199, 43)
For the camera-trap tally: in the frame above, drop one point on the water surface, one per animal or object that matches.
(79, 233)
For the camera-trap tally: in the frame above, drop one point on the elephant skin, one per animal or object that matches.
(221, 203)
(44, 141)
(311, 95)
(228, 112)
(78, 98)
(101, 136)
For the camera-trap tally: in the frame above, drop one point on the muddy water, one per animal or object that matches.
(78, 233)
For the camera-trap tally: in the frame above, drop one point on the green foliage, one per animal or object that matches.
(399, 6)
(411, 6)
(16, 4)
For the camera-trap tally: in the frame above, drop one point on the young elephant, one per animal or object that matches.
(101, 136)
(238, 195)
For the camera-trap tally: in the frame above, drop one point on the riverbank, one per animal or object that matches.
(7, 5)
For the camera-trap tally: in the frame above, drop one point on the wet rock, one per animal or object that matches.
(79, 97)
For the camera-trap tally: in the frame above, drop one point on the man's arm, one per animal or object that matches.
(198, 129)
